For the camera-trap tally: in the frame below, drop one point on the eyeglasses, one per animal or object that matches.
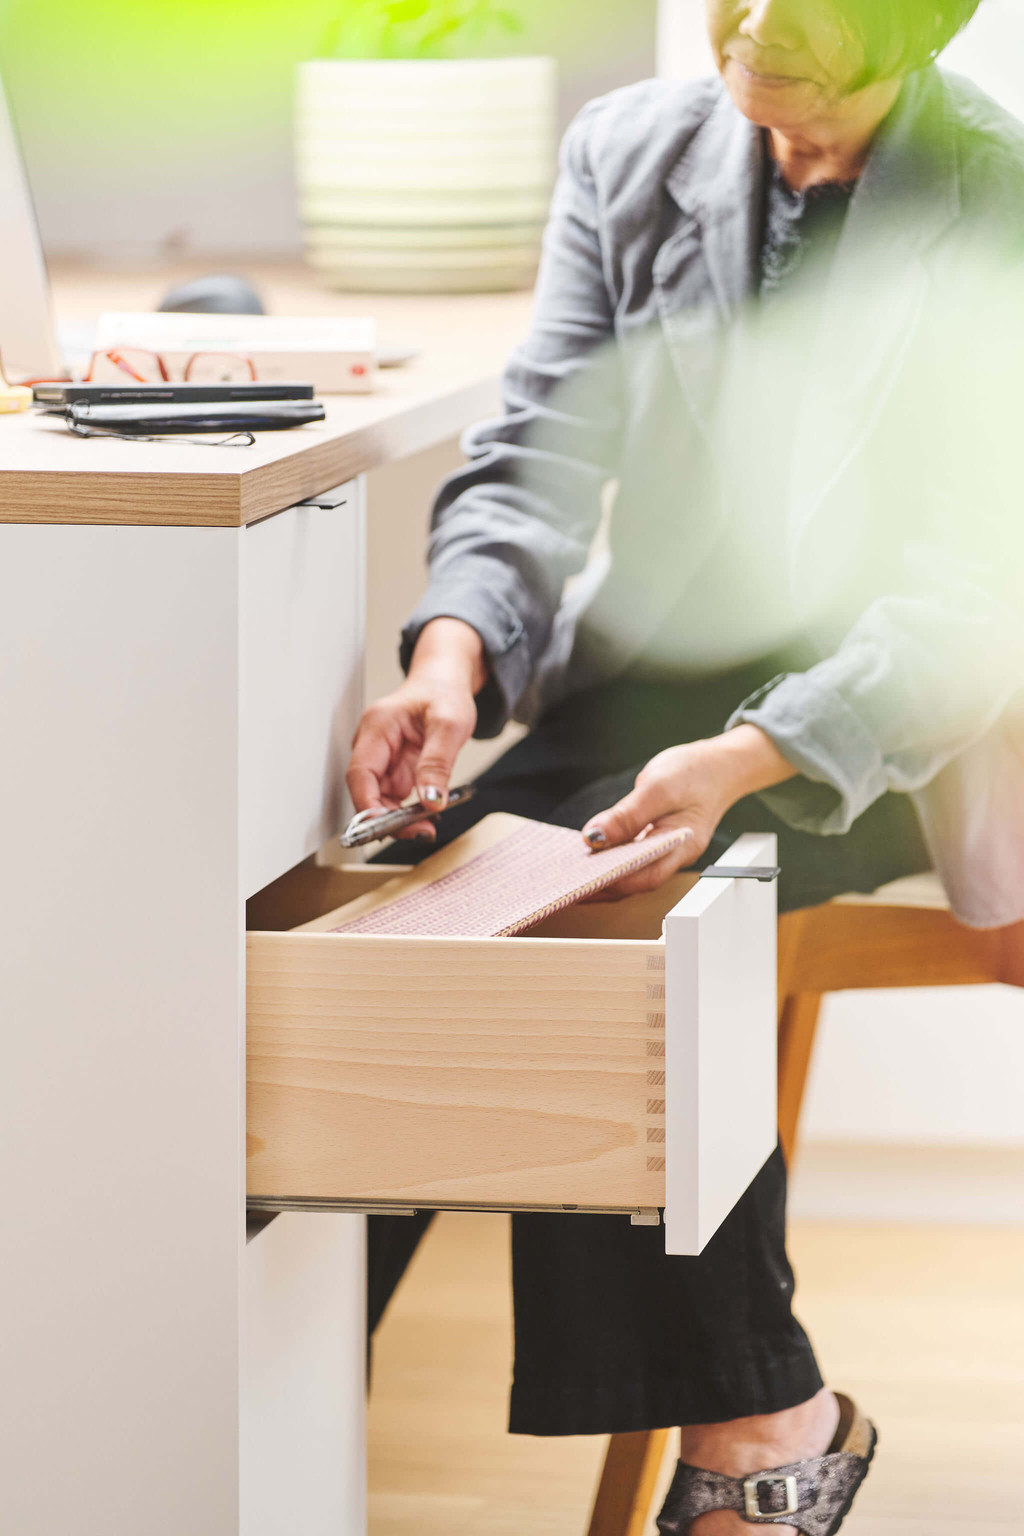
(120, 363)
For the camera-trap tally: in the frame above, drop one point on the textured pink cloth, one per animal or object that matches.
(535, 871)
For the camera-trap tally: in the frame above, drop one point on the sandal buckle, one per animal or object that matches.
(752, 1496)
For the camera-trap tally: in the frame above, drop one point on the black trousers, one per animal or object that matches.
(612, 1334)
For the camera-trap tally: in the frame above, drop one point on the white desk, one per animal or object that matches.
(177, 694)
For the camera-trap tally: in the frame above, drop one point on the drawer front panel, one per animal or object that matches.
(519, 1072)
(302, 670)
(721, 1046)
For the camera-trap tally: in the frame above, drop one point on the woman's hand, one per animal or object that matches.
(411, 738)
(689, 788)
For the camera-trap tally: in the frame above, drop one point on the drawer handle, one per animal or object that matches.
(328, 500)
(764, 872)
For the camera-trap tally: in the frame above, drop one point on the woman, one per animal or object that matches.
(742, 311)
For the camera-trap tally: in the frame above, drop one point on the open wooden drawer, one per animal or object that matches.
(619, 1057)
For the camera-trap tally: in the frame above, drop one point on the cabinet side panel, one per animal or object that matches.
(121, 1046)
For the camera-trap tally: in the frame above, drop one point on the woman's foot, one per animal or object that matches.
(750, 1445)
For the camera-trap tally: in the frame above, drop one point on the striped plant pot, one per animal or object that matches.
(423, 175)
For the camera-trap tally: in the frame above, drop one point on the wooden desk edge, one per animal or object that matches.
(196, 500)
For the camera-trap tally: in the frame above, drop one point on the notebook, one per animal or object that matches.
(499, 879)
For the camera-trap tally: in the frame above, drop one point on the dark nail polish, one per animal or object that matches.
(596, 838)
(431, 795)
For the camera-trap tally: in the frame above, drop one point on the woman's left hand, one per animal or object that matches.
(689, 788)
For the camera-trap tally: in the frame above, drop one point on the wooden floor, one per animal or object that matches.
(925, 1325)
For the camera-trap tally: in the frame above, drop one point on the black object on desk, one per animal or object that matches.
(56, 396)
(132, 419)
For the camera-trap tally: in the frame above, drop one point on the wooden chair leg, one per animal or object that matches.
(622, 1504)
(798, 1023)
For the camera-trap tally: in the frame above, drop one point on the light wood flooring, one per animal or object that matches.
(924, 1325)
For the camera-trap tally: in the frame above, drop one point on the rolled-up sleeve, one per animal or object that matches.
(839, 763)
(918, 680)
(519, 519)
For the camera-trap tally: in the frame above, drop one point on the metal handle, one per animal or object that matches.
(337, 496)
(763, 872)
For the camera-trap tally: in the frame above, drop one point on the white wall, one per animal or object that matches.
(930, 1065)
(683, 49)
(160, 129)
(991, 52)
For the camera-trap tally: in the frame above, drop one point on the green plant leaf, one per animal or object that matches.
(509, 21)
(402, 11)
(410, 28)
(438, 34)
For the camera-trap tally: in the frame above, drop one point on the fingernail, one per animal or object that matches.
(596, 838)
(431, 795)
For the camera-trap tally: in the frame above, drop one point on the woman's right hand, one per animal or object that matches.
(411, 738)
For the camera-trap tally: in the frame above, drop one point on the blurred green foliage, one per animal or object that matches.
(413, 29)
(149, 91)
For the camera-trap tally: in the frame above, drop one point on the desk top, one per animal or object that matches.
(49, 476)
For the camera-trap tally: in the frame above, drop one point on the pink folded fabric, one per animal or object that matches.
(535, 871)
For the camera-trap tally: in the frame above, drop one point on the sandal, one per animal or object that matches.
(813, 1496)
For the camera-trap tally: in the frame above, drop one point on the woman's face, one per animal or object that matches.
(786, 63)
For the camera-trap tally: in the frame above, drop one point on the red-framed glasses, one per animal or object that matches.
(117, 365)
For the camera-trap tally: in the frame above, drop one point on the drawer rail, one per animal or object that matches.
(640, 1216)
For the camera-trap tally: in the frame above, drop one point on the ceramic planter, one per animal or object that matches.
(425, 175)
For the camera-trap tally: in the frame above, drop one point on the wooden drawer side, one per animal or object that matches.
(482, 1071)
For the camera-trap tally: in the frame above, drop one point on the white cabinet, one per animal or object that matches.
(175, 704)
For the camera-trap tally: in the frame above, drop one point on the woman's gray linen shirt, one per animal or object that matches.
(899, 526)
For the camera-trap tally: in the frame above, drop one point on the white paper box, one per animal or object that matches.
(335, 355)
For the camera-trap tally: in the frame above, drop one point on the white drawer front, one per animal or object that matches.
(302, 575)
(720, 1045)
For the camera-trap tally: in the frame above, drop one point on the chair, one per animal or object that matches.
(902, 936)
